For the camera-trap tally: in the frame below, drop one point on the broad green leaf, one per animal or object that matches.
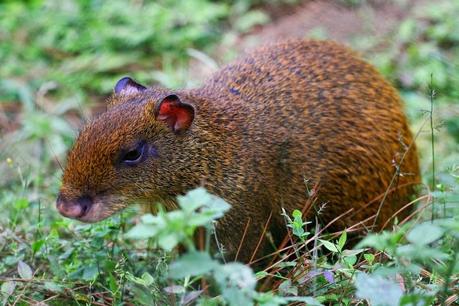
(53, 287)
(189, 297)
(250, 19)
(421, 252)
(200, 219)
(175, 289)
(191, 264)
(235, 296)
(370, 258)
(142, 231)
(378, 290)
(90, 272)
(378, 241)
(310, 301)
(296, 214)
(238, 283)
(235, 274)
(168, 241)
(112, 282)
(36, 245)
(24, 270)
(328, 245)
(194, 199)
(216, 207)
(149, 219)
(134, 279)
(269, 299)
(424, 233)
(342, 240)
(261, 274)
(148, 279)
(286, 288)
(352, 252)
(350, 260)
(8, 288)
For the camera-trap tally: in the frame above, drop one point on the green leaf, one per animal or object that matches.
(192, 264)
(36, 245)
(216, 207)
(168, 241)
(8, 288)
(342, 240)
(250, 19)
(134, 279)
(352, 252)
(148, 279)
(194, 199)
(422, 252)
(261, 274)
(350, 260)
(286, 288)
(141, 231)
(199, 198)
(378, 241)
(370, 258)
(113, 285)
(237, 282)
(269, 299)
(21, 203)
(305, 299)
(53, 287)
(377, 290)
(149, 219)
(296, 214)
(328, 245)
(24, 270)
(175, 289)
(235, 296)
(90, 272)
(424, 233)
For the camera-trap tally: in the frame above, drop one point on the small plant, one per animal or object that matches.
(235, 282)
(414, 255)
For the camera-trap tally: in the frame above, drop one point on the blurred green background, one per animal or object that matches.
(59, 61)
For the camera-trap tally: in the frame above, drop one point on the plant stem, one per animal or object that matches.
(432, 141)
(449, 272)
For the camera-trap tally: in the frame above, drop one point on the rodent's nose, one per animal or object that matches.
(73, 208)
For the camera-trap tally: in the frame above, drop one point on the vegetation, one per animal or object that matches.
(59, 61)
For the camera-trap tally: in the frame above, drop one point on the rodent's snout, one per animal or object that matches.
(74, 209)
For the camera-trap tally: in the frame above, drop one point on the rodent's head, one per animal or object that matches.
(127, 153)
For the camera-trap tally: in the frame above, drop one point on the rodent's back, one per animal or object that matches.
(314, 111)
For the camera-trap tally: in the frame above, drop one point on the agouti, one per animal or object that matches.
(260, 134)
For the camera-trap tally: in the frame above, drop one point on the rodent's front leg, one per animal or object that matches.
(242, 237)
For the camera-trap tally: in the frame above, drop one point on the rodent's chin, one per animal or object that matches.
(101, 210)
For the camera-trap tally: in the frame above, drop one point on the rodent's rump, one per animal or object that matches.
(259, 134)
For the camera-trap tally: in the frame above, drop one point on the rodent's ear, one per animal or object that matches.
(128, 86)
(176, 114)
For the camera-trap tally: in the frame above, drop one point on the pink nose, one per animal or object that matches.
(75, 208)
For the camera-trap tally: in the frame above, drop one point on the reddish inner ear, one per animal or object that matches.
(176, 114)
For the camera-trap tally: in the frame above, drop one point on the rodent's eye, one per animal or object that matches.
(134, 156)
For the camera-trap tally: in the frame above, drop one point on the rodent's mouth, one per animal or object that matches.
(100, 210)
(92, 214)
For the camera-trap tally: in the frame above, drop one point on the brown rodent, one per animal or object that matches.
(259, 133)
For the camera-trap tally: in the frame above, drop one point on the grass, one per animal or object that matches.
(59, 61)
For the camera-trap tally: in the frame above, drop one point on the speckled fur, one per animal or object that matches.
(283, 114)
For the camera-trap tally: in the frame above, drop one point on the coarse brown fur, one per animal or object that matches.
(283, 117)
